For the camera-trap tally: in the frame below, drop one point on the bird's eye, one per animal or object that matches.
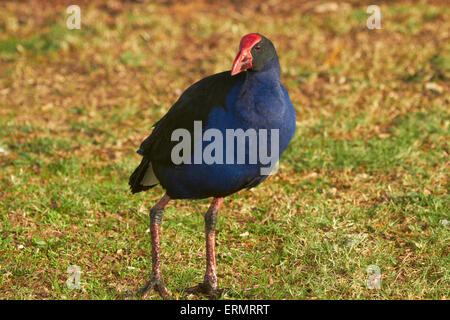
(257, 47)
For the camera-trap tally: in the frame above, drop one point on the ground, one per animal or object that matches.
(364, 182)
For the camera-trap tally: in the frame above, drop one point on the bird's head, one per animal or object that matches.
(255, 51)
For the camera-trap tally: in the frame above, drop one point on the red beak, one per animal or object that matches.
(243, 60)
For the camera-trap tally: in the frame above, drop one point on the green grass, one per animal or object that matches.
(364, 182)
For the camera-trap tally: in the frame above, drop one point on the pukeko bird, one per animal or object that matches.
(247, 99)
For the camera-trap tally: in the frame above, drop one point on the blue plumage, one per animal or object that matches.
(249, 97)
(250, 102)
(258, 101)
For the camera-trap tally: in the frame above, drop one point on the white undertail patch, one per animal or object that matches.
(149, 178)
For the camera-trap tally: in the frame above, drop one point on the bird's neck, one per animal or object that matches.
(257, 82)
(270, 72)
(260, 93)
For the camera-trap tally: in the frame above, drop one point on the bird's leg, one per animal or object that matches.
(156, 278)
(210, 279)
(209, 285)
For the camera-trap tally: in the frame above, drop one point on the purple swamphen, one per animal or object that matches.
(247, 99)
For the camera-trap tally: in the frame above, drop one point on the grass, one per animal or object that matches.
(365, 181)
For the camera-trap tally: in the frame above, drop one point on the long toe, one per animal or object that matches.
(206, 289)
(158, 286)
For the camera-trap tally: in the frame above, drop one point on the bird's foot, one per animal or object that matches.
(206, 288)
(157, 284)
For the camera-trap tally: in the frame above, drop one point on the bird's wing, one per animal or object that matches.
(194, 104)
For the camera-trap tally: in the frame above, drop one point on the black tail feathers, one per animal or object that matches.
(137, 176)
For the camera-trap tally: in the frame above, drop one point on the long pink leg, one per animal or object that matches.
(209, 285)
(155, 225)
